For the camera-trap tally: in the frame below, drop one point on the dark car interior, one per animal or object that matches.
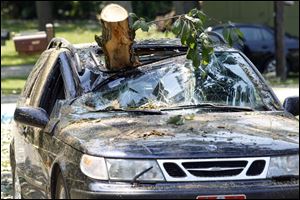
(54, 90)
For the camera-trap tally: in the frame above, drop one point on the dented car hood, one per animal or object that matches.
(205, 135)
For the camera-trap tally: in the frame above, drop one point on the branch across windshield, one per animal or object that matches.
(177, 83)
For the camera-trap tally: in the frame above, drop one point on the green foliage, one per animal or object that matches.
(191, 31)
(150, 9)
(176, 120)
(232, 34)
(140, 23)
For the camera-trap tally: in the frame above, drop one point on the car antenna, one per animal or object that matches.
(134, 180)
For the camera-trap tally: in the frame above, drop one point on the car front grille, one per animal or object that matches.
(214, 169)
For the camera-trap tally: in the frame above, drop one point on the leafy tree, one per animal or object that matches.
(190, 28)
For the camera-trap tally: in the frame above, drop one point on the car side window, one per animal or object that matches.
(267, 34)
(54, 89)
(251, 33)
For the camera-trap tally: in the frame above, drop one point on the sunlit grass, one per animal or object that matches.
(73, 31)
(292, 81)
(12, 85)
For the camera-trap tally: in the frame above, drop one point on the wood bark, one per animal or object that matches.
(182, 7)
(44, 13)
(117, 38)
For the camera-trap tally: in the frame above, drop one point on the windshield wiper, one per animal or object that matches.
(209, 105)
(134, 180)
(145, 112)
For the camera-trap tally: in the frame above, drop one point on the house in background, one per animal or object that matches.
(252, 12)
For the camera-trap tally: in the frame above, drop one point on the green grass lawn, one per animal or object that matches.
(292, 81)
(75, 32)
(12, 85)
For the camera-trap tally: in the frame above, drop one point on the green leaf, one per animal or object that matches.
(195, 13)
(199, 25)
(190, 54)
(206, 53)
(201, 16)
(140, 24)
(191, 41)
(226, 33)
(230, 40)
(177, 26)
(186, 29)
(204, 75)
(196, 59)
(144, 26)
(136, 25)
(177, 120)
(133, 16)
(239, 33)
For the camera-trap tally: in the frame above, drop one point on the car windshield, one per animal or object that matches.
(174, 82)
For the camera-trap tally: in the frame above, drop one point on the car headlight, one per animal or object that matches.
(94, 167)
(128, 170)
(283, 166)
(121, 169)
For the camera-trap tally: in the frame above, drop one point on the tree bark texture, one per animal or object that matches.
(44, 13)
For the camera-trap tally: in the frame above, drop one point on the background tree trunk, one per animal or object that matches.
(182, 7)
(281, 70)
(44, 13)
(117, 38)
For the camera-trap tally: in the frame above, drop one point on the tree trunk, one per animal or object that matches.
(44, 13)
(183, 7)
(117, 38)
(281, 70)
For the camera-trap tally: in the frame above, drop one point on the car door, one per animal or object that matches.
(26, 166)
(48, 88)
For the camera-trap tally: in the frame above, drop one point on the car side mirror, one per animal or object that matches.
(36, 117)
(291, 105)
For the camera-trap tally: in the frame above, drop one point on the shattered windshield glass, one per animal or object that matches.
(175, 82)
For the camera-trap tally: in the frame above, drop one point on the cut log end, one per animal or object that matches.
(114, 13)
(117, 38)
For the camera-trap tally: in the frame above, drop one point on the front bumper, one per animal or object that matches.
(261, 189)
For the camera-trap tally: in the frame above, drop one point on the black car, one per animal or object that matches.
(259, 47)
(161, 130)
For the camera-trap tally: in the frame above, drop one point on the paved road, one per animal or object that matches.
(15, 71)
(283, 92)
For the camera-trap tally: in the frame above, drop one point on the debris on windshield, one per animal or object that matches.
(153, 105)
(176, 120)
(189, 117)
(114, 105)
(155, 133)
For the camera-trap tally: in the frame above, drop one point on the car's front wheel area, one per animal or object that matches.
(15, 178)
(16, 185)
(60, 189)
